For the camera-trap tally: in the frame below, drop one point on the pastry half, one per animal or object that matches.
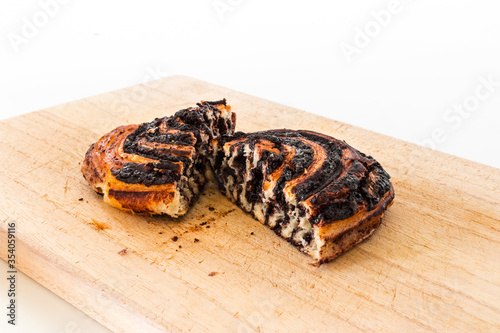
(158, 167)
(315, 191)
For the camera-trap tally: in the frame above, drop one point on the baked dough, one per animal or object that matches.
(158, 167)
(313, 190)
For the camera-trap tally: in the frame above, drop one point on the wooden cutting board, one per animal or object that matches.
(432, 265)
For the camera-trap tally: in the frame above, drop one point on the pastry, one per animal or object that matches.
(315, 191)
(158, 167)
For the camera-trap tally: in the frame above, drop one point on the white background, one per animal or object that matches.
(411, 67)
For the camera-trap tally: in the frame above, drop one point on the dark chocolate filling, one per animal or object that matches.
(190, 122)
(334, 197)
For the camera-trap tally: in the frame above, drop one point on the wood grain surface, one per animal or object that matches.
(433, 265)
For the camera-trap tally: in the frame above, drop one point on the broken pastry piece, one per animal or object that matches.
(317, 192)
(158, 167)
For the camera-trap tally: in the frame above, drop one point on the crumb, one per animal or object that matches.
(81, 199)
(161, 233)
(210, 208)
(196, 240)
(122, 252)
(204, 223)
(212, 273)
(180, 246)
(252, 233)
(207, 226)
(100, 225)
(175, 238)
(228, 212)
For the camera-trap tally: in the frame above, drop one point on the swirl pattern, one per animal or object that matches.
(158, 167)
(317, 192)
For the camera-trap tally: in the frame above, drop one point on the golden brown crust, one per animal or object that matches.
(107, 154)
(343, 235)
(157, 167)
(96, 164)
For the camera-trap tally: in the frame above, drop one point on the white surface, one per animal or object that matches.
(427, 57)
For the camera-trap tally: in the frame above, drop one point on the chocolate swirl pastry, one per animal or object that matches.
(317, 192)
(158, 167)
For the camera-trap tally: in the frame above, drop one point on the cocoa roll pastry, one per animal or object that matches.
(315, 191)
(158, 167)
